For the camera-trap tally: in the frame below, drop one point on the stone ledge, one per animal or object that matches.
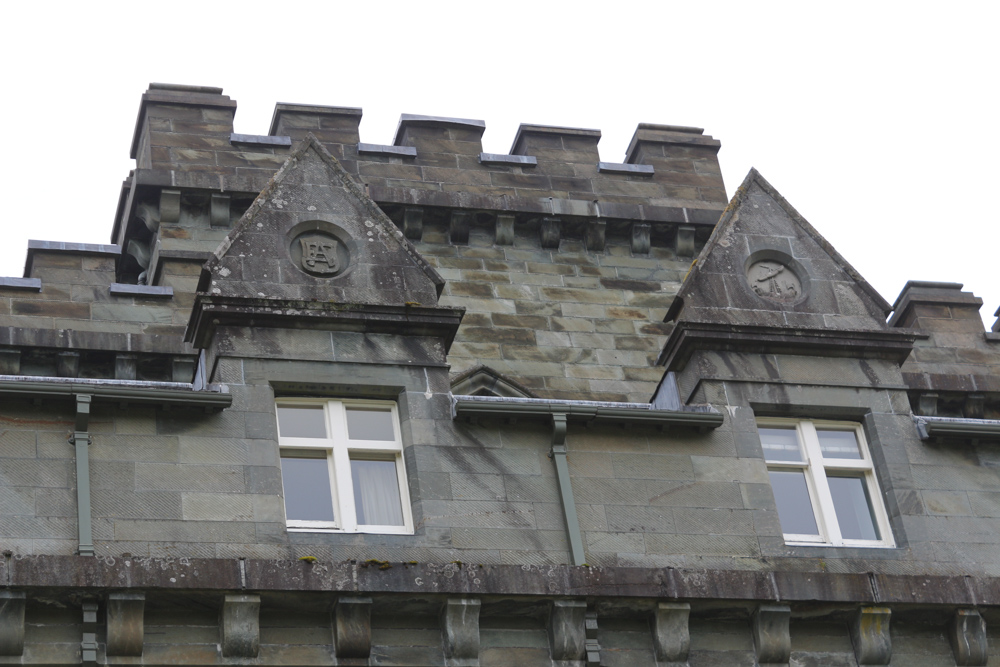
(379, 149)
(621, 168)
(125, 289)
(194, 574)
(260, 140)
(499, 158)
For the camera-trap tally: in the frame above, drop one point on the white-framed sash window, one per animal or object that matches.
(342, 466)
(824, 483)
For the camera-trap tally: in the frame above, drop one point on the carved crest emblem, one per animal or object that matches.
(319, 254)
(773, 280)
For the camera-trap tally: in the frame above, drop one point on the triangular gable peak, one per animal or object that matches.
(314, 251)
(312, 234)
(767, 279)
(482, 380)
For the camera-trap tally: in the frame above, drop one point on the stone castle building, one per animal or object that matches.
(327, 402)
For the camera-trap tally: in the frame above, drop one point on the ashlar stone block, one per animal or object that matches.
(241, 626)
(671, 636)
(567, 631)
(125, 623)
(460, 632)
(870, 636)
(771, 637)
(352, 627)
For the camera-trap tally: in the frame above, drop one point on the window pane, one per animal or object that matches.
(795, 510)
(301, 422)
(854, 508)
(306, 482)
(376, 493)
(839, 444)
(780, 444)
(368, 424)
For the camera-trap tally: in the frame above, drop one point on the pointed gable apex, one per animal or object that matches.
(760, 226)
(314, 234)
(766, 274)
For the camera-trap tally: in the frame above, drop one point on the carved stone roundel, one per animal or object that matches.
(319, 254)
(774, 281)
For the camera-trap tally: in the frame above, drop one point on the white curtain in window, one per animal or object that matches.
(376, 493)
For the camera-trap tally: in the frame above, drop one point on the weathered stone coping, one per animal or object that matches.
(639, 413)
(624, 168)
(380, 149)
(204, 574)
(30, 284)
(499, 158)
(260, 140)
(126, 289)
(117, 391)
(956, 427)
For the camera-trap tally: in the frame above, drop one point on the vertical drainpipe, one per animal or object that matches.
(81, 439)
(566, 489)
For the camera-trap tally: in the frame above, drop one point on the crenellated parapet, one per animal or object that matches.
(669, 182)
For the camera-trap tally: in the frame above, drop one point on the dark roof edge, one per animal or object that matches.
(117, 391)
(635, 413)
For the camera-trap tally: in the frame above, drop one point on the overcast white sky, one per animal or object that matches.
(877, 121)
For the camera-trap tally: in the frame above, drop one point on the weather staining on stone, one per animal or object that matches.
(775, 281)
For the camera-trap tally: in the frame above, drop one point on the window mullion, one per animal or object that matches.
(344, 490)
(817, 475)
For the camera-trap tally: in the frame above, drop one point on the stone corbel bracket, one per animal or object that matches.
(460, 632)
(352, 627)
(11, 623)
(567, 629)
(870, 635)
(671, 635)
(771, 637)
(967, 635)
(240, 626)
(125, 623)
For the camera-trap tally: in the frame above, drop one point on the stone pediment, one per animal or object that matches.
(314, 250)
(314, 235)
(767, 279)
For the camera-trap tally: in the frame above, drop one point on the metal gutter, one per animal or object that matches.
(703, 417)
(955, 427)
(215, 397)
(560, 413)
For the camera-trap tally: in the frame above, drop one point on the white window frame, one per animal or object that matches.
(816, 467)
(339, 449)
